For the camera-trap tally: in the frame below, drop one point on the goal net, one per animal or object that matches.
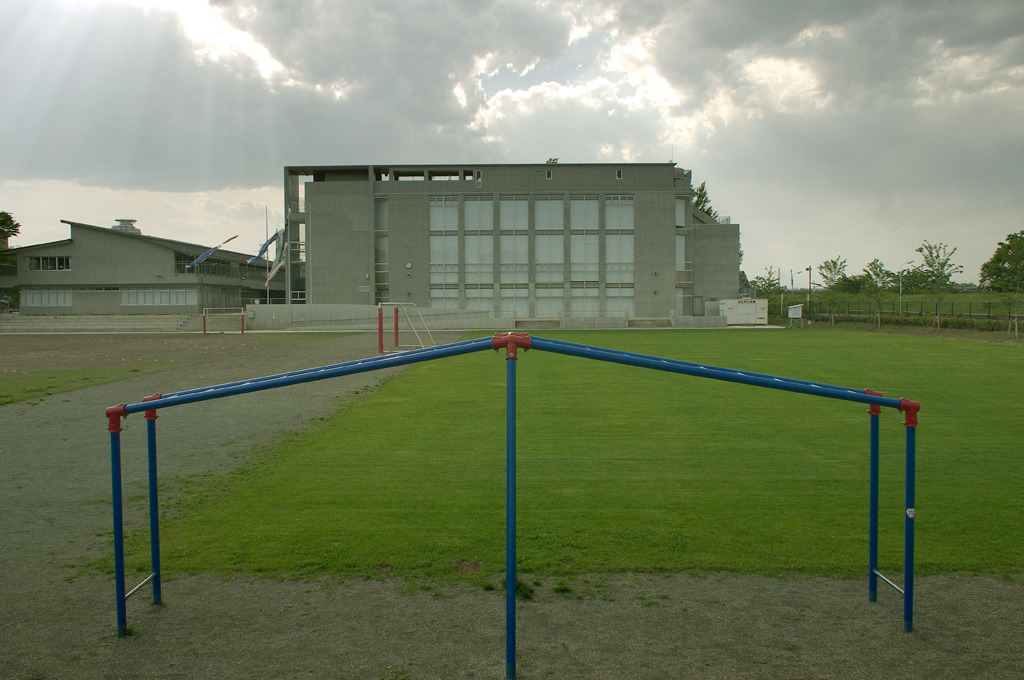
(223, 320)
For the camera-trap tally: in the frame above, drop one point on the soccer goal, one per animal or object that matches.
(414, 321)
(223, 320)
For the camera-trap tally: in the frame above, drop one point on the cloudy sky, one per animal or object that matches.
(824, 128)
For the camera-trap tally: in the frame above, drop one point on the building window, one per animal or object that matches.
(52, 263)
(619, 301)
(46, 297)
(514, 251)
(548, 213)
(479, 213)
(514, 213)
(618, 213)
(547, 174)
(444, 250)
(549, 254)
(618, 174)
(681, 204)
(158, 297)
(583, 213)
(618, 256)
(381, 291)
(479, 259)
(444, 213)
(583, 258)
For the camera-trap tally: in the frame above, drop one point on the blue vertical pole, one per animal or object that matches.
(115, 481)
(873, 515)
(908, 533)
(154, 506)
(510, 521)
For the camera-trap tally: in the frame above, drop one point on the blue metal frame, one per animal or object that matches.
(511, 581)
(511, 342)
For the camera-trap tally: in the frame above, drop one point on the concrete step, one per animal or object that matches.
(650, 322)
(113, 323)
(538, 323)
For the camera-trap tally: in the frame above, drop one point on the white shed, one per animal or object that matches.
(744, 312)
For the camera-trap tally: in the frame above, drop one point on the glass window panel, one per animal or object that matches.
(583, 254)
(618, 213)
(514, 302)
(479, 259)
(514, 251)
(584, 302)
(548, 213)
(618, 255)
(680, 252)
(549, 302)
(680, 212)
(583, 212)
(444, 214)
(380, 214)
(549, 249)
(514, 213)
(619, 302)
(446, 298)
(480, 299)
(549, 253)
(479, 213)
(444, 259)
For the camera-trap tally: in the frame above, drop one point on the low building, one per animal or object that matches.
(100, 270)
(544, 241)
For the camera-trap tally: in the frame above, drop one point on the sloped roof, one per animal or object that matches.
(193, 249)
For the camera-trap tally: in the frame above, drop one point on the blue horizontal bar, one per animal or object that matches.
(713, 372)
(311, 374)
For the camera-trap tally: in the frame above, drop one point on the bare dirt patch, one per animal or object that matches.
(56, 622)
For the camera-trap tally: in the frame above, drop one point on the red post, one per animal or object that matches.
(396, 326)
(380, 329)
(204, 324)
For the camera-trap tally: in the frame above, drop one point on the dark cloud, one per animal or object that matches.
(896, 107)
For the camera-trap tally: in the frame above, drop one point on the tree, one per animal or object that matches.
(8, 226)
(832, 272)
(1004, 272)
(768, 284)
(938, 270)
(702, 202)
(877, 282)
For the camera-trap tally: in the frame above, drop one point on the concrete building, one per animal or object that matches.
(100, 270)
(605, 242)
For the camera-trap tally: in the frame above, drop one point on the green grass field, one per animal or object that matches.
(625, 469)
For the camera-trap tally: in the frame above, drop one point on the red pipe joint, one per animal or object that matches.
(910, 408)
(511, 342)
(874, 409)
(151, 413)
(114, 415)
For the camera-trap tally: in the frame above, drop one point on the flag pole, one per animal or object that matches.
(266, 237)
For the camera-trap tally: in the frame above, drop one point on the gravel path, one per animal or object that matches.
(56, 622)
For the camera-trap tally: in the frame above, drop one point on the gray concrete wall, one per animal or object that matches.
(716, 262)
(409, 241)
(654, 253)
(339, 243)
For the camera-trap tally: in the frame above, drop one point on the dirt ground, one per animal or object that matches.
(58, 622)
